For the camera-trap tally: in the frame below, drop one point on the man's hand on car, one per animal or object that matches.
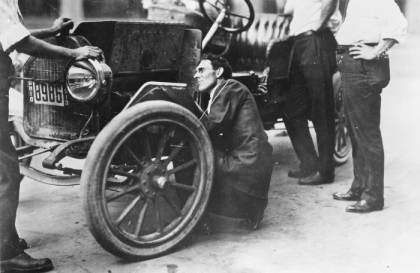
(87, 52)
(62, 25)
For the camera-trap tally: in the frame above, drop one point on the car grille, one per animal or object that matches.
(58, 117)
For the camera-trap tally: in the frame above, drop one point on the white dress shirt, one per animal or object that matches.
(11, 28)
(369, 21)
(307, 16)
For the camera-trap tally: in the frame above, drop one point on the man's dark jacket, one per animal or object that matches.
(243, 154)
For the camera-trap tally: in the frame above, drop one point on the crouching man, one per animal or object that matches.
(243, 155)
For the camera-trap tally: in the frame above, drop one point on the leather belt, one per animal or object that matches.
(311, 32)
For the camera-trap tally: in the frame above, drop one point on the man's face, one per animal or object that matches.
(206, 76)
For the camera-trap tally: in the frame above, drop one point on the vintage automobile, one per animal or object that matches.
(144, 162)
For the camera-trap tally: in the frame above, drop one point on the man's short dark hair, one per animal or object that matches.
(219, 61)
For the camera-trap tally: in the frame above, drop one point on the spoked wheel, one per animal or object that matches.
(245, 14)
(342, 148)
(147, 179)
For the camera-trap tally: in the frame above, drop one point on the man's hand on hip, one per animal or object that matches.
(363, 52)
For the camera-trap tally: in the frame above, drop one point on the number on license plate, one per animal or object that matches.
(46, 93)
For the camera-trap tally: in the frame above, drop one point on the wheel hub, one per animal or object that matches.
(152, 178)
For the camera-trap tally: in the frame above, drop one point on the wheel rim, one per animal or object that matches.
(143, 199)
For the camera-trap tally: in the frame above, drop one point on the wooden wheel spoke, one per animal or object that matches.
(182, 186)
(342, 141)
(133, 155)
(159, 225)
(181, 167)
(172, 204)
(173, 154)
(113, 170)
(162, 143)
(342, 137)
(127, 210)
(122, 193)
(147, 147)
(140, 220)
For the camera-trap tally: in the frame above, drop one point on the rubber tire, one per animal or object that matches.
(98, 159)
(341, 158)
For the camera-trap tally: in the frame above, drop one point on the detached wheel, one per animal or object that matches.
(147, 180)
(342, 147)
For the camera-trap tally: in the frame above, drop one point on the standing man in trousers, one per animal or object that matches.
(370, 29)
(14, 36)
(311, 91)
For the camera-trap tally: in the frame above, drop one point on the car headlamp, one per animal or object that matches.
(88, 80)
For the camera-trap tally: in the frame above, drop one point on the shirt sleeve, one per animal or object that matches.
(11, 35)
(12, 30)
(395, 24)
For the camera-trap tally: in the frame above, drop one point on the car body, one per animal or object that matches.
(147, 162)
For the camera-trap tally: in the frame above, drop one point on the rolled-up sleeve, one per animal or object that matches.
(11, 35)
(395, 24)
(12, 30)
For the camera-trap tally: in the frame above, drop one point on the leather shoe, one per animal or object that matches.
(23, 244)
(299, 173)
(347, 196)
(363, 206)
(316, 179)
(25, 263)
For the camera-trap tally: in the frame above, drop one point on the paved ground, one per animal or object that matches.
(304, 229)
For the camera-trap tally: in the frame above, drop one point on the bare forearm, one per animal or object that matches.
(44, 32)
(40, 48)
(327, 9)
(384, 45)
(366, 52)
(61, 24)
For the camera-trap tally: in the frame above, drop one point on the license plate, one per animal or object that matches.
(46, 93)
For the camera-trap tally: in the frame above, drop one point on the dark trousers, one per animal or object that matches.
(363, 82)
(311, 95)
(231, 202)
(9, 171)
